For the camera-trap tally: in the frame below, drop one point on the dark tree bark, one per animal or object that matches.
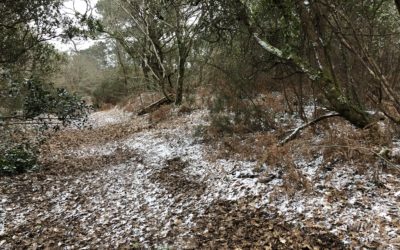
(183, 54)
(397, 2)
(181, 75)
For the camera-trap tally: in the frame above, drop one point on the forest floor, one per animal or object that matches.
(132, 183)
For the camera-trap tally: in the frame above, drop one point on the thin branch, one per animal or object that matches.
(296, 131)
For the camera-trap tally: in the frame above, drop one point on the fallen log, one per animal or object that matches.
(154, 106)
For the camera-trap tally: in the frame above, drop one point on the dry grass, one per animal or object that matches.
(70, 165)
(354, 145)
(282, 159)
(272, 99)
(184, 109)
(106, 106)
(336, 140)
(73, 139)
(202, 97)
(161, 114)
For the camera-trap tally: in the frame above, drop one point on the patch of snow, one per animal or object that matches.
(85, 151)
(108, 117)
(2, 215)
(309, 168)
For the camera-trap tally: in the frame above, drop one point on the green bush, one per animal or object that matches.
(25, 127)
(17, 160)
(41, 99)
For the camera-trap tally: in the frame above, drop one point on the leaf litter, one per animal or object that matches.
(128, 183)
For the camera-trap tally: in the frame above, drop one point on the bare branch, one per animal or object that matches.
(296, 131)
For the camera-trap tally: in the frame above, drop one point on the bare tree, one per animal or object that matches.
(159, 35)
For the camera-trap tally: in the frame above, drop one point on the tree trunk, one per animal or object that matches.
(183, 54)
(397, 2)
(145, 70)
(181, 75)
(183, 51)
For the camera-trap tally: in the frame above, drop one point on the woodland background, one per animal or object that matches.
(279, 81)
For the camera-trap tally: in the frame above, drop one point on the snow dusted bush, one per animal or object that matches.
(19, 148)
(56, 103)
(24, 127)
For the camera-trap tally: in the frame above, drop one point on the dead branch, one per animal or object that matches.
(296, 131)
(154, 106)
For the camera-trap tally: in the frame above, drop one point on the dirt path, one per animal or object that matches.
(130, 184)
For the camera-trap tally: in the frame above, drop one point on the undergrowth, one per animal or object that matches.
(336, 141)
(18, 159)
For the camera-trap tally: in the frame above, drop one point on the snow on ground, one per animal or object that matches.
(108, 117)
(2, 215)
(155, 199)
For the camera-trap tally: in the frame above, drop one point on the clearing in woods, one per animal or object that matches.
(129, 183)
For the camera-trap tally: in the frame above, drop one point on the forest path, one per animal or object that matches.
(128, 183)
